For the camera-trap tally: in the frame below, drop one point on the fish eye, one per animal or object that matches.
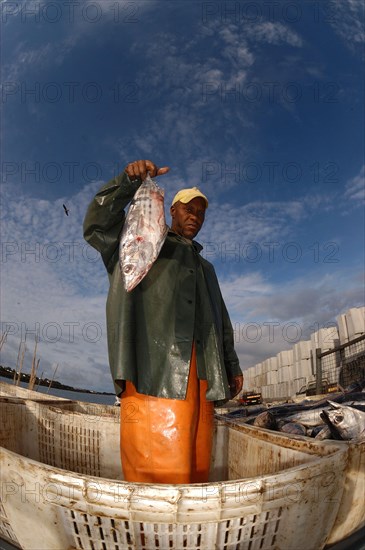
(338, 418)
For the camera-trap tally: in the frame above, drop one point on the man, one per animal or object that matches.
(170, 340)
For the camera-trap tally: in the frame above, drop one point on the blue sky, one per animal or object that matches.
(258, 103)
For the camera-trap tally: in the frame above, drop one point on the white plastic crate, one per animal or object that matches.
(342, 328)
(284, 374)
(302, 350)
(258, 489)
(265, 366)
(325, 339)
(273, 363)
(258, 369)
(261, 483)
(303, 368)
(285, 358)
(355, 320)
(272, 377)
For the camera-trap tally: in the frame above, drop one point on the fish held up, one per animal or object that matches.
(143, 234)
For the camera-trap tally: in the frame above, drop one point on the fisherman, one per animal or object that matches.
(170, 340)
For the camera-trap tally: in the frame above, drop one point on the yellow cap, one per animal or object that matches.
(186, 195)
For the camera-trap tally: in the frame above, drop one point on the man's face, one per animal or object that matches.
(187, 219)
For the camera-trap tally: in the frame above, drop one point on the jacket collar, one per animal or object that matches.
(198, 247)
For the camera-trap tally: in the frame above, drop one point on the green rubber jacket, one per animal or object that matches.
(151, 329)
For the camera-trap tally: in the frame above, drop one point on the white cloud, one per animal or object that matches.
(268, 317)
(42, 58)
(346, 17)
(355, 188)
(274, 33)
(53, 282)
(206, 79)
(255, 221)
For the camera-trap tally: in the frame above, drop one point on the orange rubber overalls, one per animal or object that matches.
(167, 440)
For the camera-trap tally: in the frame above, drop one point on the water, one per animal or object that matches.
(74, 395)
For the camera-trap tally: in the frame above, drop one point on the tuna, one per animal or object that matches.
(143, 234)
(265, 420)
(345, 422)
(308, 418)
(293, 428)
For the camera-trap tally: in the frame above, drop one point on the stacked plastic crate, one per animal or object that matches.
(285, 366)
(249, 379)
(351, 324)
(272, 377)
(269, 367)
(303, 365)
(285, 374)
(326, 339)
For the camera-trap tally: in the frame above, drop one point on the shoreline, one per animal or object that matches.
(7, 372)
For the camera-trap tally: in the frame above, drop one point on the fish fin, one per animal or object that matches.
(334, 405)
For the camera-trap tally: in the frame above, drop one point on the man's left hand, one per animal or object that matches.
(235, 385)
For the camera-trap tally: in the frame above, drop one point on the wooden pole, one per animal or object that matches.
(3, 338)
(21, 364)
(54, 374)
(33, 369)
(17, 363)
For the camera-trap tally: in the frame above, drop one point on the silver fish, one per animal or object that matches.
(309, 418)
(347, 422)
(143, 234)
(292, 428)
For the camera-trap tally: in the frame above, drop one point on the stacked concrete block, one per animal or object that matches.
(351, 324)
(355, 320)
(302, 359)
(285, 374)
(265, 366)
(342, 328)
(265, 392)
(285, 366)
(247, 379)
(325, 339)
(272, 377)
(259, 379)
(285, 358)
(302, 350)
(283, 392)
(273, 363)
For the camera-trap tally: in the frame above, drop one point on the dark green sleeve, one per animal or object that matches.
(231, 361)
(105, 217)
